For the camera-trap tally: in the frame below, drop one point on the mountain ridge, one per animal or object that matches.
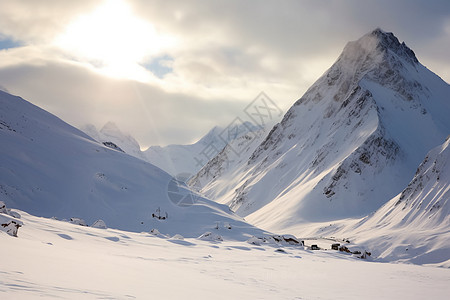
(411, 227)
(366, 123)
(177, 160)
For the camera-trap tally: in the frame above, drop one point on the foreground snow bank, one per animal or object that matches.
(54, 259)
(9, 222)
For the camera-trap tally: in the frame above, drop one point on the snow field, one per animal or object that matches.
(54, 259)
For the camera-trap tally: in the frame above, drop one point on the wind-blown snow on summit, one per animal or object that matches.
(49, 168)
(350, 144)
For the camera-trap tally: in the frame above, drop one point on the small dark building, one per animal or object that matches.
(315, 247)
(335, 246)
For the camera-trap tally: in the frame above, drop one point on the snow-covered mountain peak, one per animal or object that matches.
(378, 56)
(388, 42)
(378, 42)
(345, 92)
(111, 136)
(367, 122)
(211, 136)
(229, 133)
(189, 159)
(110, 128)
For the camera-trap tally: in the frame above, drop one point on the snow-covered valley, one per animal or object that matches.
(325, 205)
(54, 259)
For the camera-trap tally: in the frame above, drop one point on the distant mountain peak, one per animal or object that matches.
(178, 159)
(111, 136)
(110, 127)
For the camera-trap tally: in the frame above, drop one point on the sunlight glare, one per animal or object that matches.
(113, 40)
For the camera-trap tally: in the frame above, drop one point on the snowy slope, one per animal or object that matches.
(350, 144)
(189, 159)
(53, 259)
(48, 168)
(412, 227)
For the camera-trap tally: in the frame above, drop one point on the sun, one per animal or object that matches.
(113, 40)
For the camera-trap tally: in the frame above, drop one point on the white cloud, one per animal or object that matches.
(79, 95)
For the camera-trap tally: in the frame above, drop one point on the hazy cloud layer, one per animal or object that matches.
(222, 54)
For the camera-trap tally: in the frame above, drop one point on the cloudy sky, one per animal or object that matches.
(168, 71)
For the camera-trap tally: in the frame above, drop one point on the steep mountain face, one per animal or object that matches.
(349, 144)
(414, 226)
(48, 168)
(232, 158)
(426, 199)
(186, 160)
(425, 203)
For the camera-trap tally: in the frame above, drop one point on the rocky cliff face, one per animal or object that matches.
(413, 226)
(426, 199)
